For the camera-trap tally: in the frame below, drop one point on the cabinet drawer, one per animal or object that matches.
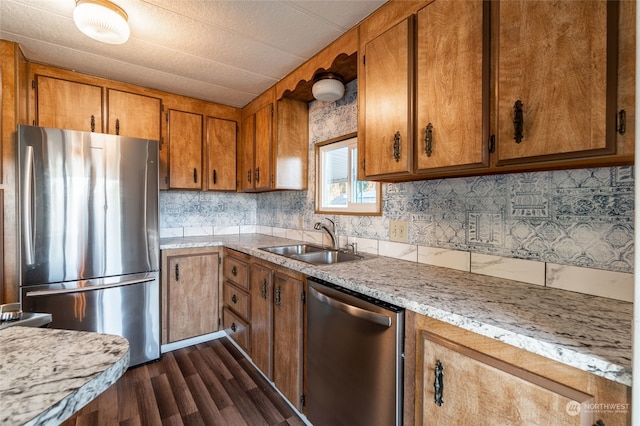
(236, 271)
(236, 327)
(236, 299)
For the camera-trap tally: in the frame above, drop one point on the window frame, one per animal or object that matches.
(375, 210)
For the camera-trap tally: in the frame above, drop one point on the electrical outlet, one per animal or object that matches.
(398, 231)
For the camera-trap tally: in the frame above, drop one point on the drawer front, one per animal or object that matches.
(236, 299)
(236, 327)
(236, 271)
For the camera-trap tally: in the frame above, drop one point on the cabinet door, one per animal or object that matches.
(221, 154)
(192, 295)
(68, 105)
(474, 387)
(452, 85)
(287, 337)
(185, 150)
(262, 318)
(133, 115)
(540, 44)
(247, 154)
(388, 102)
(292, 145)
(263, 173)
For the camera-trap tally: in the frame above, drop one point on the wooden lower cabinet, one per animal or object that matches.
(454, 377)
(262, 318)
(190, 300)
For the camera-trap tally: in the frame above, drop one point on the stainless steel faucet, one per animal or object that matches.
(332, 232)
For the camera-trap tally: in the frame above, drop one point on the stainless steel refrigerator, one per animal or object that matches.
(89, 233)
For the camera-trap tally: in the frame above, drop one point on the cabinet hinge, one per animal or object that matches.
(302, 400)
(33, 84)
(303, 297)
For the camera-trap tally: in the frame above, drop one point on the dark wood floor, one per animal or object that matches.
(207, 384)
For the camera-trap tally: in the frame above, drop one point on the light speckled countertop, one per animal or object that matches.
(587, 332)
(46, 375)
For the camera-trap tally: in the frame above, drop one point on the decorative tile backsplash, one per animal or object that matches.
(578, 217)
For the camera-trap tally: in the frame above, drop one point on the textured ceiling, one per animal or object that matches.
(221, 51)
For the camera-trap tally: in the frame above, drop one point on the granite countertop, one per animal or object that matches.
(587, 332)
(46, 375)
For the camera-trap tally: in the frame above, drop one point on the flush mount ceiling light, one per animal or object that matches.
(327, 87)
(102, 20)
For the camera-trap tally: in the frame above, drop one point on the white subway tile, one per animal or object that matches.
(398, 250)
(196, 231)
(365, 245)
(248, 229)
(280, 232)
(171, 232)
(454, 259)
(611, 284)
(226, 230)
(264, 230)
(528, 271)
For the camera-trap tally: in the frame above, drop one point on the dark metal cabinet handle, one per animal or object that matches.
(518, 122)
(177, 272)
(93, 123)
(215, 177)
(438, 384)
(233, 327)
(492, 144)
(264, 289)
(117, 126)
(234, 271)
(396, 146)
(234, 298)
(278, 297)
(195, 175)
(249, 176)
(257, 174)
(428, 140)
(622, 122)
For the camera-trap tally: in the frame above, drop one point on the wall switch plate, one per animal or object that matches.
(398, 231)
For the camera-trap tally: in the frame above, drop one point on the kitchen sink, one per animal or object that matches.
(294, 249)
(313, 254)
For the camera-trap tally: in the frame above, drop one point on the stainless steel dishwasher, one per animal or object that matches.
(355, 353)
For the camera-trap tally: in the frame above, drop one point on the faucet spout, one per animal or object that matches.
(332, 232)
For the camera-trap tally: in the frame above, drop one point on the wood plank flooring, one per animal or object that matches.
(210, 383)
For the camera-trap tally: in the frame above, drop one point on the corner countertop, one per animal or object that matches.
(46, 375)
(587, 332)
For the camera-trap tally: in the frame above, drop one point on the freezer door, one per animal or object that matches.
(127, 306)
(88, 205)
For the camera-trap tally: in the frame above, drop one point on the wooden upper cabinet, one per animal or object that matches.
(263, 172)
(557, 68)
(68, 105)
(292, 146)
(185, 150)
(221, 154)
(133, 115)
(388, 104)
(452, 85)
(247, 153)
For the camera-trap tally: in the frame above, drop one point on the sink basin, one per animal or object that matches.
(326, 257)
(294, 249)
(313, 254)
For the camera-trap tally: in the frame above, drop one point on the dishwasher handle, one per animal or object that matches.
(355, 311)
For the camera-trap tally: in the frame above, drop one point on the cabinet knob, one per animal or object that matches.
(438, 384)
(428, 140)
(234, 298)
(233, 327)
(396, 145)
(518, 122)
(234, 271)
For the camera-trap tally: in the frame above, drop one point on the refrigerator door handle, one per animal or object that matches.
(374, 317)
(27, 207)
(37, 293)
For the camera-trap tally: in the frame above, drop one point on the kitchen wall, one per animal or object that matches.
(578, 217)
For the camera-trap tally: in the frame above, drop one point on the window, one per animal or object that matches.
(338, 189)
